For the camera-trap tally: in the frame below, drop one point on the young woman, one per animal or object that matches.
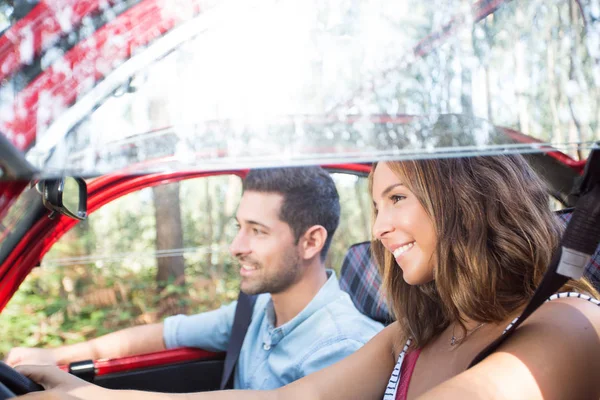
(462, 244)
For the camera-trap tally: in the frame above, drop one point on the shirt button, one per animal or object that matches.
(266, 346)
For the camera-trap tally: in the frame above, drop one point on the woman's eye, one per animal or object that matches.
(396, 198)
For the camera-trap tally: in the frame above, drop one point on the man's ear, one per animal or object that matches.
(312, 242)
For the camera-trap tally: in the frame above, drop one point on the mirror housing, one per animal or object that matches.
(66, 196)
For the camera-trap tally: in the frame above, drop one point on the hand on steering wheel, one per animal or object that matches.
(57, 383)
(13, 383)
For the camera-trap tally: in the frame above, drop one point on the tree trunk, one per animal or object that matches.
(225, 215)
(466, 76)
(209, 226)
(520, 88)
(487, 71)
(576, 133)
(365, 207)
(554, 98)
(169, 235)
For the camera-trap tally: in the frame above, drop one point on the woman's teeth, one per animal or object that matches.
(401, 250)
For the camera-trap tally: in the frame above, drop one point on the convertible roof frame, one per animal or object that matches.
(13, 164)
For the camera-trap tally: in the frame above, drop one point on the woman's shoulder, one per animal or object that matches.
(561, 304)
(565, 312)
(563, 332)
(564, 328)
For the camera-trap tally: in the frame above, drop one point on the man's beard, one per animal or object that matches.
(275, 279)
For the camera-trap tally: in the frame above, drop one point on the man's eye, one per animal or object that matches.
(257, 231)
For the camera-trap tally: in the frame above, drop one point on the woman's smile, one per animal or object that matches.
(401, 250)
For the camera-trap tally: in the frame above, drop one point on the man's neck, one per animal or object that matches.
(289, 303)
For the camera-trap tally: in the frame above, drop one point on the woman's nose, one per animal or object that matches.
(382, 226)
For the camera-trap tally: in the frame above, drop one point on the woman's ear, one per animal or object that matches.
(312, 241)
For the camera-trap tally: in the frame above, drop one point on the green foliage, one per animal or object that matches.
(43, 313)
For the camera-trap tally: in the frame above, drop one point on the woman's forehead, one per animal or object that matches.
(385, 177)
(386, 171)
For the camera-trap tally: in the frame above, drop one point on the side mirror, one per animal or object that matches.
(67, 196)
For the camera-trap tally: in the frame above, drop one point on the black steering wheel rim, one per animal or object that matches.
(6, 393)
(13, 383)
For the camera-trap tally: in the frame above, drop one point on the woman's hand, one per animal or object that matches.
(24, 355)
(59, 384)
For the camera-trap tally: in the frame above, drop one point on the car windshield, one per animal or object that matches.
(229, 85)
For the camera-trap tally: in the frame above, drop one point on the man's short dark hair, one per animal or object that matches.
(309, 198)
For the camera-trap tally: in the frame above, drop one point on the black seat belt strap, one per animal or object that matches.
(579, 242)
(241, 322)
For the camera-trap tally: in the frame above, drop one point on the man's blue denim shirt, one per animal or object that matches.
(328, 329)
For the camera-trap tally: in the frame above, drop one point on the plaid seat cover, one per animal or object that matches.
(592, 269)
(360, 279)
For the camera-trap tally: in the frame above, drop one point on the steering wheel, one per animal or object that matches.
(13, 384)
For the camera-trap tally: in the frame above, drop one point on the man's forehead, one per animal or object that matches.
(262, 207)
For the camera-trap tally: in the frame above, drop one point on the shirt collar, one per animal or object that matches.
(328, 292)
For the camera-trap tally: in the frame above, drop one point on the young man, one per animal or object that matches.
(301, 322)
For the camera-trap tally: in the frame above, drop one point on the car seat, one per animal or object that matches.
(360, 278)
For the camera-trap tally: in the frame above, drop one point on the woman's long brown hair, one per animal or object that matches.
(495, 237)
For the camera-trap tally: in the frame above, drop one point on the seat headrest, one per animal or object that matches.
(361, 280)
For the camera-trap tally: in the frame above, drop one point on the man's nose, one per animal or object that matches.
(239, 246)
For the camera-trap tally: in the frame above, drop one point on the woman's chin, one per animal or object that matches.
(412, 282)
(416, 279)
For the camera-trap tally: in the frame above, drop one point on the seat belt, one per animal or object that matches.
(241, 322)
(579, 242)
